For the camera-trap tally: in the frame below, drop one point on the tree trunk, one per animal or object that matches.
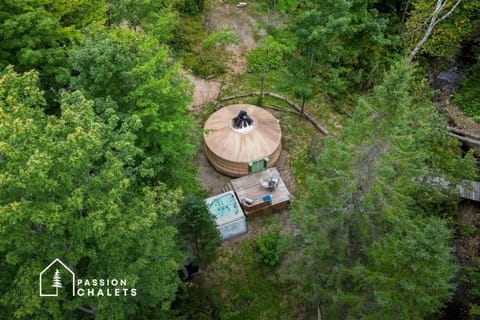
(250, 94)
(433, 22)
(463, 133)
(87, 310)
(303, 104)
(464, 139)
(299, 109)
(262, 82)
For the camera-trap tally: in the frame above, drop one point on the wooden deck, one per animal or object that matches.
(249, 187)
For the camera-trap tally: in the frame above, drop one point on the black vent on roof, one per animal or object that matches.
(242, 120)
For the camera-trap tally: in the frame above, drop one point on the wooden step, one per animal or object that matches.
(227, 187)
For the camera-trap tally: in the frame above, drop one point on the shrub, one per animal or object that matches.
(270, 247)
(220, 38)
(269, 55)
(471, 275)
(468, 97)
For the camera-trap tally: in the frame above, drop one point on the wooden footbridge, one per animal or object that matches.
(467, 189)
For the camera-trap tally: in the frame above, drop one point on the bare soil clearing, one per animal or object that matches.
(243, 21)
(205, 91)
(210, 179)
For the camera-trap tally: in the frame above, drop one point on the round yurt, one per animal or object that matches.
(241, 139)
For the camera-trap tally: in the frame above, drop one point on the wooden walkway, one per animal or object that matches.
(467, 189)
(249, 188)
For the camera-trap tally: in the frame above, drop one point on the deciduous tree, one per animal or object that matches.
(37, 34)
(133, 73)
(71, 190)
(438, 27)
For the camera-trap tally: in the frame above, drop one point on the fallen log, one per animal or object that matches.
(464, 139)
(288, 101)
(315, 124)
(279, 97)
(297, 107)
(274, 107)
(463, 133)
(251, 94)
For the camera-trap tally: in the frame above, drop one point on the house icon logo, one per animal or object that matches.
(52, 277)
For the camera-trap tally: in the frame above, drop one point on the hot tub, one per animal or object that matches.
(228, 214)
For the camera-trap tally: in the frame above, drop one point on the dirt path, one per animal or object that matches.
(227, 16)
(244, 22)
(210, 179)
(240, 20)
(205, 91)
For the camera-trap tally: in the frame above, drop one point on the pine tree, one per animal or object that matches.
(362, 209)
(57, 280)
(197, 227)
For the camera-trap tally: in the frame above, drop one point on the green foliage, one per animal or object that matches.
(133, 73)
(467, 97)
(236, 287)
(285, 6)
(416, 257)
(360, 218)
(35, 35)
(209, 59)
(71, 190)
(475, 310)
(158, 18)
(197, 227)
(270, 247)
(190, 6)
(471, 275)
(465, 229)
(335, 41)
(317, 29)
(447, 36)
(220, 38)
(269, 55)
(188, 42)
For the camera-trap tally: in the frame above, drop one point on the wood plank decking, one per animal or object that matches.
(469, 190)
(250, 187)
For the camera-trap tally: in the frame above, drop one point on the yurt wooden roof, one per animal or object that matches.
(230, 144)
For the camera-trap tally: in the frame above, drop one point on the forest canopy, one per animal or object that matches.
(100, 156)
